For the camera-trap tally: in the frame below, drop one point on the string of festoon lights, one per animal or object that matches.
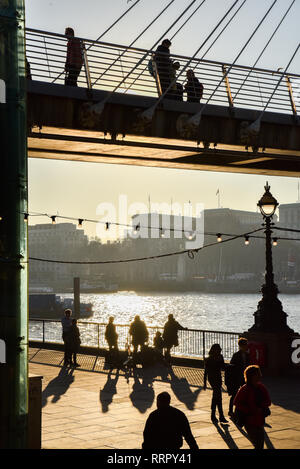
(190, 252)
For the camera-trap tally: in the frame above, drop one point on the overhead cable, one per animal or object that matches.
(265, 47)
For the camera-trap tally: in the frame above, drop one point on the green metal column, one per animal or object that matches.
(13, 230)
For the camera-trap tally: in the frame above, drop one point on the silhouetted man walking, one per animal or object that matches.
(167, 426)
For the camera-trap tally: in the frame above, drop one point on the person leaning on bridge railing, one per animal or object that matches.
(74, 59)
(170, 335)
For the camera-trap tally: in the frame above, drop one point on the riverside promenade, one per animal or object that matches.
(92, 408)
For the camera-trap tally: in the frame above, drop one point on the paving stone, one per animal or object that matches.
(88, 408)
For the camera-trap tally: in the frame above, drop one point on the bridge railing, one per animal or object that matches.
(192, 342)
(114, 67)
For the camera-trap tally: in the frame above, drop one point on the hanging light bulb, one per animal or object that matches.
(80, 221)
(275, 242)
(26, 217)
(191, 235)
(247, 240)
(219, 237)
(53, 217)
(107, 226)
(162, 233)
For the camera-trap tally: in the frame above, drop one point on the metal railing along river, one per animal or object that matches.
(193, 343)
(115, 67)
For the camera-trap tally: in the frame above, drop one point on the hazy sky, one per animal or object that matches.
(76, 189)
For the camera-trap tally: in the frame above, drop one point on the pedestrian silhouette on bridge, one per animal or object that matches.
(253, 402)
(234, 374)
(139, 333)
(214, 364)
(164, 64)
(170, 334)
(193, 87)
(74, 59)
(167, 426)
(176, 87)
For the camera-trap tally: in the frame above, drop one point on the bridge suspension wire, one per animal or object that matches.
(195, 120)
(221, 32)
(174, 35)
(149, 112)
(255, 126)
(135, 40)
(265, 47)
(100, 106)
(106, 31)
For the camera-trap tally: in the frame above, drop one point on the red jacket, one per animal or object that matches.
(246, 400)
(74, 53)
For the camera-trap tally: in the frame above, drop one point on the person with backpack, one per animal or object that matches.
(164, 64)
(193, 87)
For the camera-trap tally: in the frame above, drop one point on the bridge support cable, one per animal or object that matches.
(195, 120)
(134, 41)
(148, 114)
(171, 39)
(98, 107)
(254, 128)
(106, 31)
(265, 47)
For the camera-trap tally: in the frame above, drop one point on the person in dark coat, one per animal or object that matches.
(253, 401)
(193, 88)
(73, 343)
(110, 335)
(164, 64)
(167, 426)
(214, 364)
(139, 333)
(234, 374)
(66, 323)
(170, 334)
(74, 59)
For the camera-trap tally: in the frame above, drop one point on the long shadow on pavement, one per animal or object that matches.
(108, 391)
(58, 386)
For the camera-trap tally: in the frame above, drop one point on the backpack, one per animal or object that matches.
(150, 67)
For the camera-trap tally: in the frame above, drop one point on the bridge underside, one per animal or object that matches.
(61, 128)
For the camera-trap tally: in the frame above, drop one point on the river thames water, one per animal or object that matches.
(215, 312)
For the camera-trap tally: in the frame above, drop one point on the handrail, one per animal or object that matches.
(105, 65)
(176, 56)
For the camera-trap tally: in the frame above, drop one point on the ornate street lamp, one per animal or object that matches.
(269, 316)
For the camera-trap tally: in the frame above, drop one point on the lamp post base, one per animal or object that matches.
(277, 355)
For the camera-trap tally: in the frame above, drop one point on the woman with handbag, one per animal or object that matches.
(253, 402)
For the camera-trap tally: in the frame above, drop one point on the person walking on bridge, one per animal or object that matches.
(74, 59)
(164, 64)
